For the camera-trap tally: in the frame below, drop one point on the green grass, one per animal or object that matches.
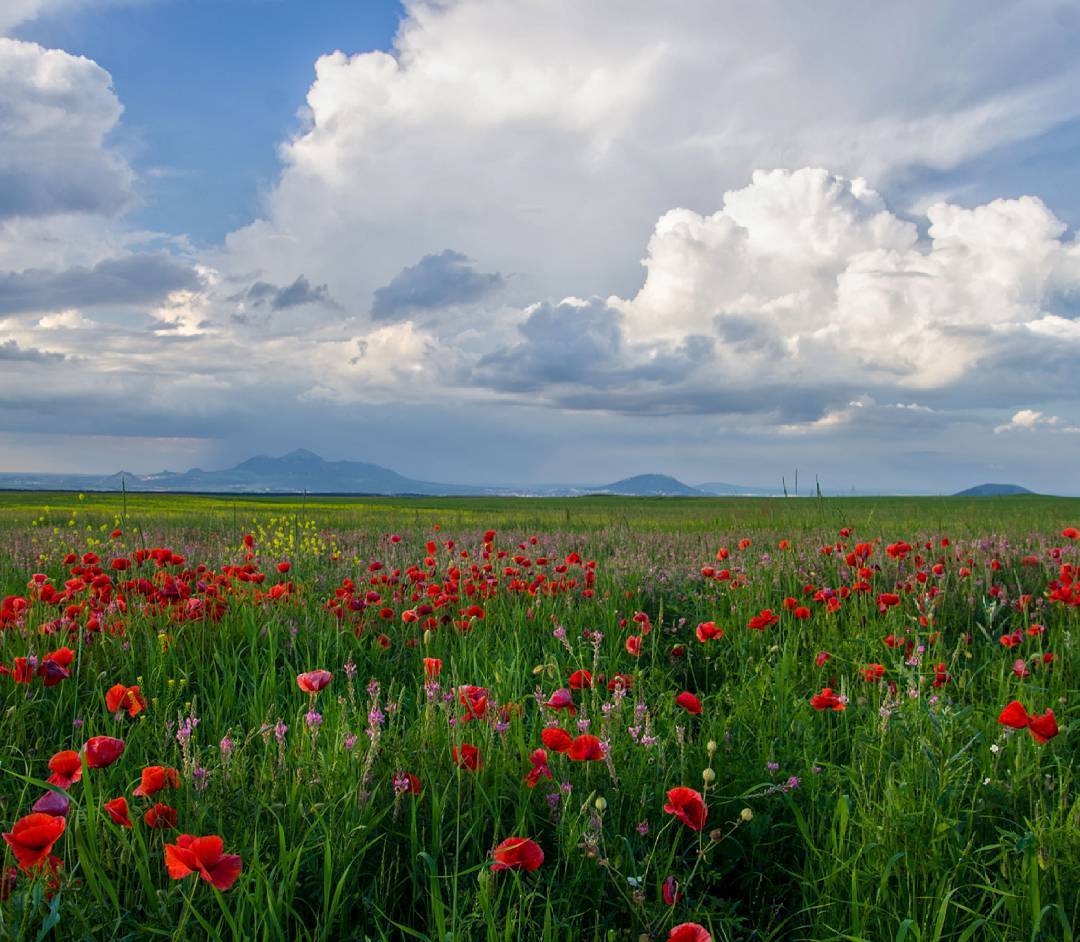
(915, 817)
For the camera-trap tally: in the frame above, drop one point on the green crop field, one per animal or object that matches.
(581, 719)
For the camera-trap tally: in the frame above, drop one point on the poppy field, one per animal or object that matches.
(587, 719)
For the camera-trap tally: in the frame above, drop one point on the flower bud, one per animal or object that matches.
(601, 804)
(746, 814)
(708, 776)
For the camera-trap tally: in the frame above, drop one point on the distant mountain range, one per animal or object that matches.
(303, 471)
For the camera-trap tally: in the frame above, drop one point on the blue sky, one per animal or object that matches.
(210, 88)
(601, 241)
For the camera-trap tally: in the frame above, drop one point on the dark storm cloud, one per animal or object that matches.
(10, 351)
(136, 279)
(435, 281)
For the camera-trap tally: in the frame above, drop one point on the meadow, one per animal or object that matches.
(582, 719)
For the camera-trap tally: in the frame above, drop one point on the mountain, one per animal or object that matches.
(304, 471)
(993, 490)
(651, 485)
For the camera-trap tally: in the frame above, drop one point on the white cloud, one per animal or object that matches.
(55, 112)
(1028, 420)
(545, 139)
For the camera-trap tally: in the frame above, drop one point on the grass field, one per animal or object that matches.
(461, 636)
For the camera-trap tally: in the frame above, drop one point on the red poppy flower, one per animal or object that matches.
(118, 810)
(202, 855)
(688, 806)
(821, 658)
(581, 680)
(557, 740)
(518, 853)
(689, 702)
(468, 757)
(872, 673)
(1071, 533)
(539, 768)
(101, 751)
(432, 667)
(689, 932)
(671, 891)
(160, 816)
(155, 778)
(827, 700)
(763, 619)
(33, 837)
(313, 681)
(633, 645)
(1044, 727)
(475, 701)
(120, 698)
(707, 630)
(66, 767)
(561, 699)
(586, 748)
(1014, 715)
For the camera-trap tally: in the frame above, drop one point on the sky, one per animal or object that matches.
(498, 241)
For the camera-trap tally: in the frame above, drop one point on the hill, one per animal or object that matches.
(993, 490)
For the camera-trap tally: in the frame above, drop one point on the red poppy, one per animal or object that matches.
(118, 810)
(671, 891)
(539, 768)
(633, 645)
(557, 740)
(313, 681)
(1014, 715)
(468, 757)
(120, 698)
(689, 702)
(763, 619)
(586, 748)
(561, 699)
(1044, 727)
(1071, 533)
(432, 667)
(821, 658)
(155, 778)
(475, 701)
(689, 932)
(872, 673)
(707, 630)
(33, 836)
(66, 767)
(202, 855)
(688, 806)
(827, 700)
(101, 751)
(581, 680)
(518, 853)
(160, 816)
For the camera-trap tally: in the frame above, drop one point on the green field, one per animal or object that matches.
(909, 813)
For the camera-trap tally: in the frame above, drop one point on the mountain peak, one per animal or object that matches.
(302, 455)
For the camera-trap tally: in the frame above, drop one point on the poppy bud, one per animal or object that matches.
(746, 814)
(708, 776)
(601, 804)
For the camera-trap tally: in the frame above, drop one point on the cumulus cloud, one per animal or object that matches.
(546, 139)
(1028, 420)
(55, 112)
(436, 281)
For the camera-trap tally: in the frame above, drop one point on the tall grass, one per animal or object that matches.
(911, 815)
